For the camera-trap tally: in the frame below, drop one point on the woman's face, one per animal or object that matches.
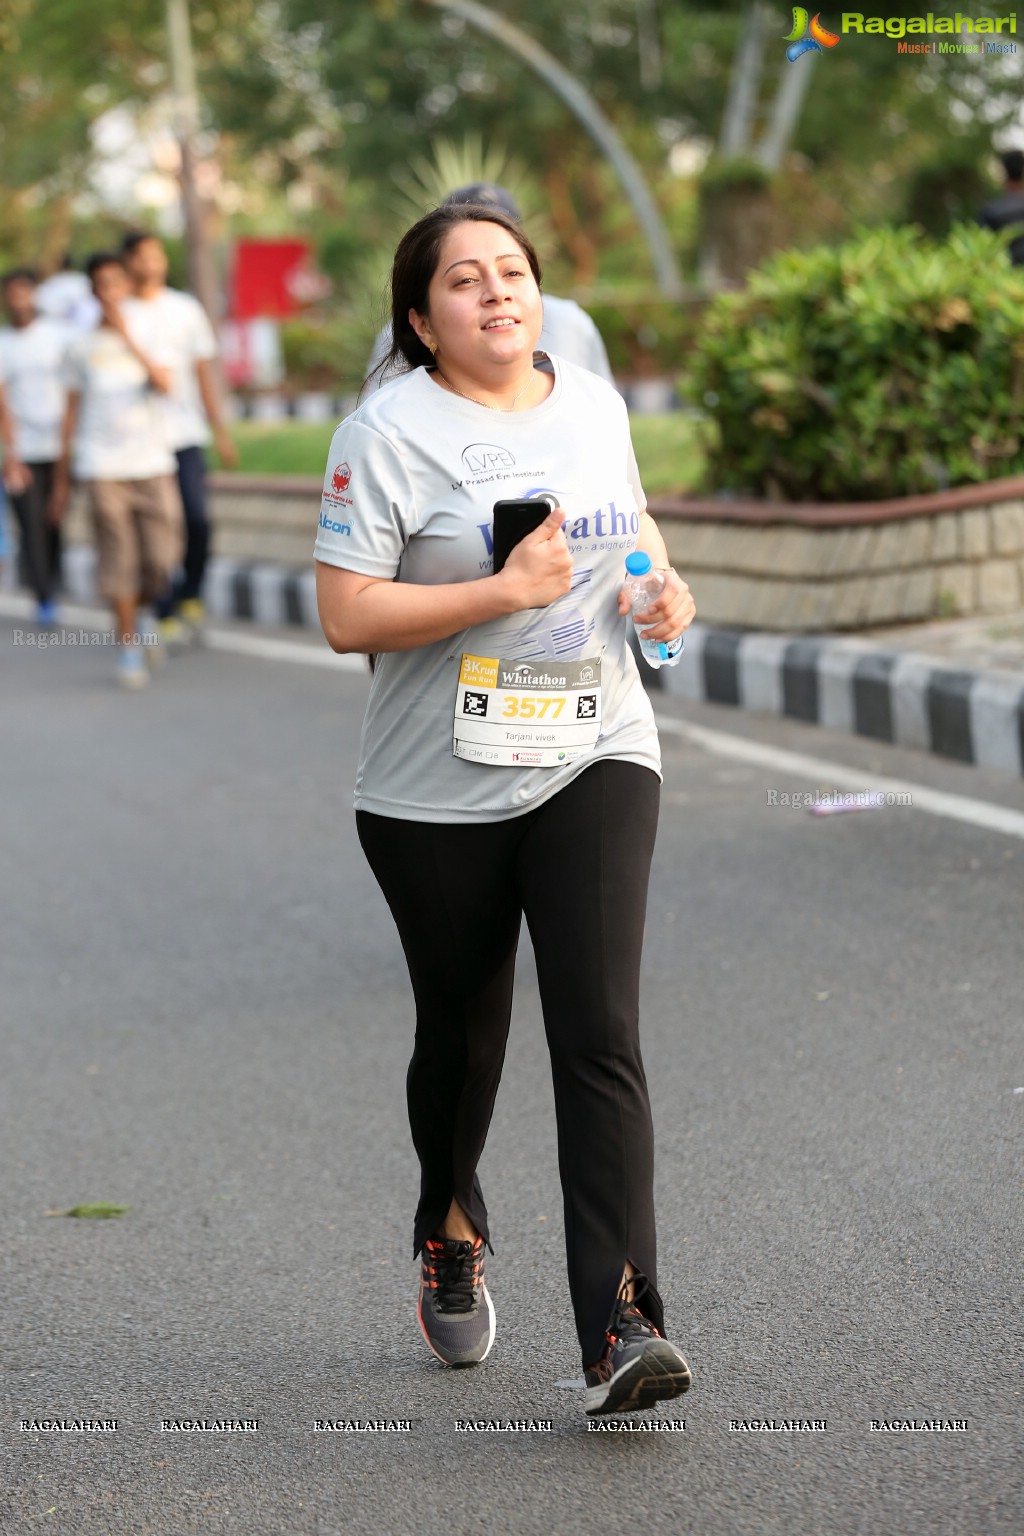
(484, 306)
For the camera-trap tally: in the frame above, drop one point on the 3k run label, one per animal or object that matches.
(518, 714)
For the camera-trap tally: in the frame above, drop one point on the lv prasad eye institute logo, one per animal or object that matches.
(799, 42)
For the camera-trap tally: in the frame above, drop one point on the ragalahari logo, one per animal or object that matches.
(799, 42)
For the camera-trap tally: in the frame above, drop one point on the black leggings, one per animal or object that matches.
(578, 867)
(40, 560)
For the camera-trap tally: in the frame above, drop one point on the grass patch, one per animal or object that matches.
(283, 447)
(101, 1211)
(668, 452)
(667, 447)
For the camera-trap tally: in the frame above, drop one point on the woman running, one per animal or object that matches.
(509, 765)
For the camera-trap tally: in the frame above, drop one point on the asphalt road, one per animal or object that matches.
(206, 1018)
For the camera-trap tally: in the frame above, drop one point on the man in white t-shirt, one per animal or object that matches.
(568, 330)
(115, 440)
(32, 350)
(174, 329)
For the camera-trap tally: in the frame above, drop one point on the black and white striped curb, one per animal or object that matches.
(851, 685)
(275, 595)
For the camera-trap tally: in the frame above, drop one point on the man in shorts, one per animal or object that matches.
(174, 329)
(115, 441)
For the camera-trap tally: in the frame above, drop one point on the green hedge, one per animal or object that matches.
(887, 366)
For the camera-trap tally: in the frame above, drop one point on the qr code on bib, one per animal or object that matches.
(474, 703)
(586, 706)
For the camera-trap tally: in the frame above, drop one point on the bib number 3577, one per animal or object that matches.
(537, 714)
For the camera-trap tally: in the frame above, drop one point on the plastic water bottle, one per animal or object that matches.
(644, 586)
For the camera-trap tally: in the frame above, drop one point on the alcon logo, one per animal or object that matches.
(334, 527)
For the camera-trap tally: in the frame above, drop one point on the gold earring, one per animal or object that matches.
(432, 348)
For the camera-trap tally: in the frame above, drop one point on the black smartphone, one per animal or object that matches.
(513, 520)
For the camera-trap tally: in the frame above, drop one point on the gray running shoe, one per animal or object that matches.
(638, 1368)
(455, 1311)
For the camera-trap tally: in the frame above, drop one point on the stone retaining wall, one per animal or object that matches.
(757, 567)
(753, 565)
(260, 518)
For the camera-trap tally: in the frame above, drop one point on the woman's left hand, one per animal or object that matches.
(672, 612)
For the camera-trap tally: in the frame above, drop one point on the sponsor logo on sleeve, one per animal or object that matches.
(336, 494)
(332, 525)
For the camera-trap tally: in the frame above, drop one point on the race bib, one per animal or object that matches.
(526, 714)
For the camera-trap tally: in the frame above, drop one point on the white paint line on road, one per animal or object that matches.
(284, 650)
(307, 653)
(975, 813)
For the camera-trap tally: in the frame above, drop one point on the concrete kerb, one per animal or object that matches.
(851, 685)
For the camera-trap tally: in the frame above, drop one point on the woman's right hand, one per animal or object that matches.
(539, 569)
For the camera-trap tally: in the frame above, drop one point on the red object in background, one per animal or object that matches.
(270, 278)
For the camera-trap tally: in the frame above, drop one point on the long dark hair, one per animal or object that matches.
(416, 261)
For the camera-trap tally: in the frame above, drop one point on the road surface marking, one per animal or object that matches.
(311, 653)
(976, 813)
(284, 650)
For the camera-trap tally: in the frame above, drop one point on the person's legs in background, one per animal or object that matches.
(40, 540)
(160, 538)
(112, 504)
(5, 551)
(182, 601)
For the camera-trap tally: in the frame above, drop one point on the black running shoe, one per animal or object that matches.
(455, 1311)
(638, 1368)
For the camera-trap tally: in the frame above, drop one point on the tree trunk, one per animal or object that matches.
(563, 215)
(789, 99)
(57, 236)
(744, 85)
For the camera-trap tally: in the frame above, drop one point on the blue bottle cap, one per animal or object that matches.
(638, 563)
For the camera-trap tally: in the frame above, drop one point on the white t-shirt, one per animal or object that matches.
(568, 332)
(173, 329)
(66, 296)
(31, 372)
(121, 433)
(411, 482)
